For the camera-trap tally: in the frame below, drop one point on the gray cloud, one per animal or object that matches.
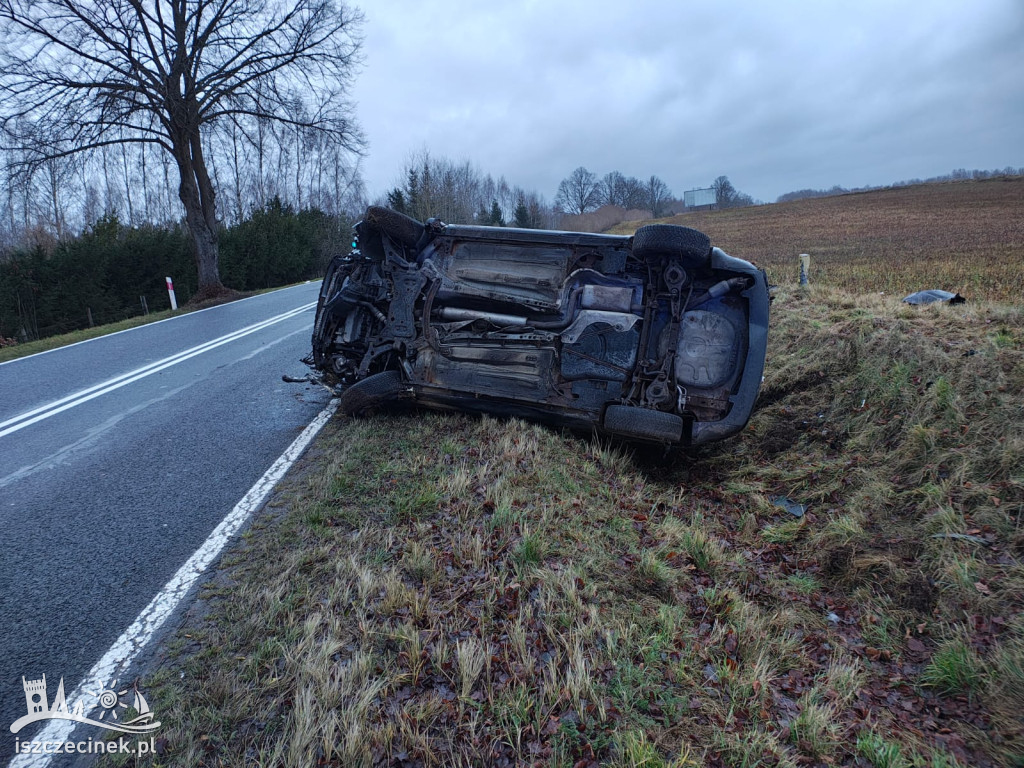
(778, 96)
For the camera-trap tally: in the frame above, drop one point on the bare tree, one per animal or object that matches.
(613, 189)
(658, 195)
(634, 193)
(725, 192)
(579, 193)
(727, 196)
(78, 75)
(58, 175)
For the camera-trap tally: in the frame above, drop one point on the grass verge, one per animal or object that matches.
(64, 339)
(442, 590)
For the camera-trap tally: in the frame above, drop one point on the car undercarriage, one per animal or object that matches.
(656, 337)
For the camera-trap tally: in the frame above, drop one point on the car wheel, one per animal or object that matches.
(372, 392)
(693, 248)
(331, 284)
(399, 227)
(643, 423)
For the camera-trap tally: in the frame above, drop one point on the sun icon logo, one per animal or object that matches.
(113, 708)
(110, 701)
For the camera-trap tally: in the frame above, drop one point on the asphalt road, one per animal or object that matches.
(118, 457)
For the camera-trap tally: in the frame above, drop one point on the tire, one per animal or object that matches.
(372, 392)
(643, 424)
(331, 284)
(399, 227)
(332, 280)
(693, 248)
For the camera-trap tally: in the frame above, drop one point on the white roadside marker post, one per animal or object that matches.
(805, 268)
(170, 292)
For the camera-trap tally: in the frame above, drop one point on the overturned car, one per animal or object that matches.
(656, 337)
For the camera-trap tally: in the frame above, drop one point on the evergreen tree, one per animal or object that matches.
(424, 207)
(412, 194)
(522, 215)
(496, 219)
(396, 201)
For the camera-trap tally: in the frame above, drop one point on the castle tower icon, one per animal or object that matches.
(35, 695)
(40, 708)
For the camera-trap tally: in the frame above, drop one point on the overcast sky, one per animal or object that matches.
(776, 95)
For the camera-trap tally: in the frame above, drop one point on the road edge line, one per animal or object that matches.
(129, 646)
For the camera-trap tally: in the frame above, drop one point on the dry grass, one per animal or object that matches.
(62, 340)
(442, 590)
(965, 236)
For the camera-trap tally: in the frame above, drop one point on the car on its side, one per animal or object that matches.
(657, 337)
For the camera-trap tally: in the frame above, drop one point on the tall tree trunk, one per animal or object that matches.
(239, 208)
(147, 216)
(261, 191)
(298, 169)
(108, 203)
(197, 195)
(127, 185)
(58, 211)
(205, 239)
(168, 213)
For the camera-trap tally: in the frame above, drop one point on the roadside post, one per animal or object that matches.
(170, 292)
(805, 268)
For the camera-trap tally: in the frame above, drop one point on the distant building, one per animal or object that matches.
(700, 198)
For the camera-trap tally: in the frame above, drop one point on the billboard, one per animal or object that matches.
(695, 198)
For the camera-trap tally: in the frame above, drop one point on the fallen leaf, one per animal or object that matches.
(731, 643)
(982, 587)
(878, 654)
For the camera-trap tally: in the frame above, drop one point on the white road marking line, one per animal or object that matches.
(147, 325)
(127, 648)
(82, 396)
(228, 336)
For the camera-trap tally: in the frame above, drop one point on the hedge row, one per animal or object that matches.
(106, 271)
